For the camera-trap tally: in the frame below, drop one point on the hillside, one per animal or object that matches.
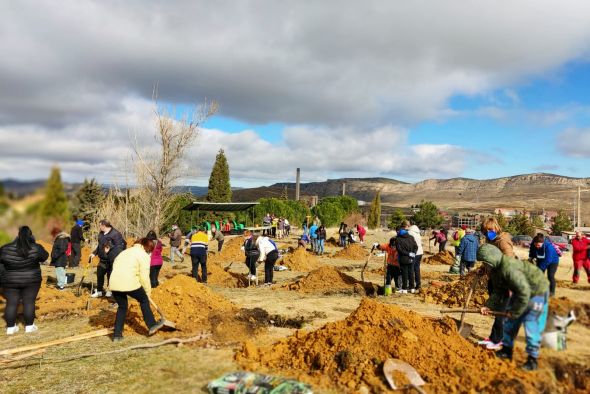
(532, 191)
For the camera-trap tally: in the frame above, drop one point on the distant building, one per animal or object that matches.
(509, 213)
(471, 221)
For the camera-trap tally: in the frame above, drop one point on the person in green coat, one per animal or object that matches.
(527, 291)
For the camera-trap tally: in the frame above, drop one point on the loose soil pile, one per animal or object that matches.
(300, 260)
(348, 355)
(230, 252)
(329, 280)
(444, 257)
(352, 252)
(219, 277)
(322, 279)
(562, 306)
(453, 294)
(192, 306)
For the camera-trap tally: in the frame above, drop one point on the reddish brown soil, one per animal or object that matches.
(300, 260)
(352, 252)
(348, 355)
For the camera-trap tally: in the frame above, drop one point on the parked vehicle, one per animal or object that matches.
(522, 240)
(560, 241)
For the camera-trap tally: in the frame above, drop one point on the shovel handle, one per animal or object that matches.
(494, 313)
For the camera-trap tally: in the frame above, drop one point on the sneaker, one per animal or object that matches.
(11, 330)
(154, 329)
(530, 365)
(252, 277)
(117, 339)
(96, 294)
(403, 292)
(31, 328)
(413, 291)
(485, 342)
(60, 288)
(109, 293)
(494, 346)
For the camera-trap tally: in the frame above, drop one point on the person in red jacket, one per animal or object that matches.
(361, 231)
(581, 244)
(156, 260)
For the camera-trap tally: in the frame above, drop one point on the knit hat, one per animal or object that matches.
(80, 222)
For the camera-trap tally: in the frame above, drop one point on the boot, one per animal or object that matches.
(531, 364)
(505, 353)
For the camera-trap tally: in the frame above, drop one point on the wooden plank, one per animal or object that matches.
(75, 338)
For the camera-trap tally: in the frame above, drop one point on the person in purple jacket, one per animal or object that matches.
(156, 259)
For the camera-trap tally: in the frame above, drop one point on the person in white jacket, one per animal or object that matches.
(415, 232)
(269, 253)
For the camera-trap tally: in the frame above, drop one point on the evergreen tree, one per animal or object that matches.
(520, 224)
(374, 220)
(561, 223)
(55, 204)
(427, 216)
(219, 186)
(538, 222)
(396, 219)
(501, 220)
(88, 200)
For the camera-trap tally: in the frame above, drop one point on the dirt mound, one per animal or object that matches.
(300, 260)
(329, 280)
(189, 304)
(219, 277)
(562, 306)
(348, 355)
(444, 257)
(352, 252)
(231, 252)
(332, 241)
(453, 294)
(52, 303)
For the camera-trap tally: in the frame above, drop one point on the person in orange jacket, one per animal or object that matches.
(393, 270)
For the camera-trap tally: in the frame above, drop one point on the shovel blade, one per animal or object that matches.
(464, 331)
(392, 365)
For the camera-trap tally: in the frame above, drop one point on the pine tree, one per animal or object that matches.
(501, 220)
(88, 200)
(538, 222)
(374, 220)
(427, 215)
(396, 219)
(219, 186)
(55, 204)
(561, 223)
(520, 224)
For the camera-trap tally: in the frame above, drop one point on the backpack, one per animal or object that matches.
(456, 236)
(273, 244)
(69, 249)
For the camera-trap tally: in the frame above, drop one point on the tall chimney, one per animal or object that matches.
(344, 188)
(297, 184)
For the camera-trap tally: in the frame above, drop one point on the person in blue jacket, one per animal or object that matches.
(467, 249)
(546, 256)
(314, 237)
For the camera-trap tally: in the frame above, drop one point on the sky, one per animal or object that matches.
(397, 89)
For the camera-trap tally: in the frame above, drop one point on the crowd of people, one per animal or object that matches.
(520, 289)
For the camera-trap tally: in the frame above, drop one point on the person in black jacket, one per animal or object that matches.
(252, 253)
(77, 236)
(59, 258)
(108, 234)
(406, 250)
(21, 278)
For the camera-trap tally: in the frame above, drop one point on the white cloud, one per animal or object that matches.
(574, 142)
(76, 78)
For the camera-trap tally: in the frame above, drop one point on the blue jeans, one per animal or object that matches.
(314, 244)
(343, 240)
(534, 319)
(60, 275)
(321, 246)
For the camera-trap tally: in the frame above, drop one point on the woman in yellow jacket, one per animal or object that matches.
(131, 277)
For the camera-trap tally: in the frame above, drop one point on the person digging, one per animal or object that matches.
(392, 271)
(131, 277)
(527, 291)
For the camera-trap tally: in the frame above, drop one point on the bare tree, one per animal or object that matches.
(158, 167)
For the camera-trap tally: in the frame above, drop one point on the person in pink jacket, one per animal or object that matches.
(156, 260)
(361, 231)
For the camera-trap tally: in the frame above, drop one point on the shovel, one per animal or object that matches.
(84, 273)
(365, 266)
(166, 322)
(392, 365)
